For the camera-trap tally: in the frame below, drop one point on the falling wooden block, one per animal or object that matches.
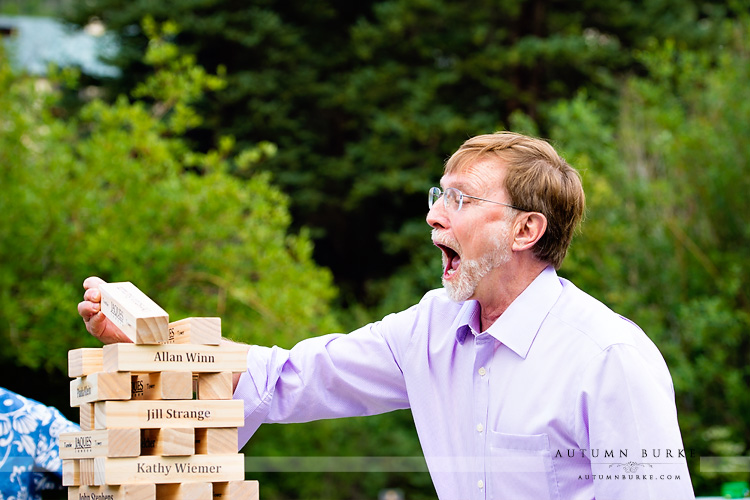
(162, 385)
(87, 416)
(174, 414)
(216, 441)
(162, 470)
(185, 491)
(133, 312)
(100, 386)
(122, 492)
(85, 361)
(175, 357)
(203, 331)
(101, 443)
(237, 490)
(214, 385)
(168, 442)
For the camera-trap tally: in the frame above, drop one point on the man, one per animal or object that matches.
(521, 385)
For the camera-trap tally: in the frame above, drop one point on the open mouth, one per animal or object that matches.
(451, 260)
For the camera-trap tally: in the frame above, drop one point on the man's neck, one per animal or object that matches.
(503, 289)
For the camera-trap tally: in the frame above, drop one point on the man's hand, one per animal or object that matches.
(90, 310)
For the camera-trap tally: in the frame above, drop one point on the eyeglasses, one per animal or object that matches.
(453, 199)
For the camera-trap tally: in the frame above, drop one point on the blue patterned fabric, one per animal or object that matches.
(29, 458)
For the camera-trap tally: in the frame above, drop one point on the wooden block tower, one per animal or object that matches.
(158, 421)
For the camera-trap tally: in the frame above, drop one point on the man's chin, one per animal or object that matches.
(456, 292)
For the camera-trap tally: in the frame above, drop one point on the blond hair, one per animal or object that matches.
(537, 180)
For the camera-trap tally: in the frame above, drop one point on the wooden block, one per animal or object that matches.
(87, 416)
(203, 331)
(131, 310)
(162, 470)
(87, 471)
(101, 386)
(122, 492)
(162, 385)
(173, 414)
(85, 361)
(216, 441)
(175, 357)
(101, 443)
(185, 491)
(71, 473)
(168, 442)
(237, 490)
(214, 385)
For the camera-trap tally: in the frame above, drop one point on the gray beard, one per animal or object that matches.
(471, 272)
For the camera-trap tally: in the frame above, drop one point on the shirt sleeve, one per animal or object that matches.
(337, 375)
(627, 415)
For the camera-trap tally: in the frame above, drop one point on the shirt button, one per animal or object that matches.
(482, 372)
(480, 427)
(480, 484)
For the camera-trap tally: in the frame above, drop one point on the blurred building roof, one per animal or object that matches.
(34, 42)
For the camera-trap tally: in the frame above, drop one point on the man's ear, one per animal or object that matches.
(529, 227)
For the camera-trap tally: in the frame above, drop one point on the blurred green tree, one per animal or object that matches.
(365, 99)
(114, 191)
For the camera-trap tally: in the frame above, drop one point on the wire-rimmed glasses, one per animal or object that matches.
(453, 199)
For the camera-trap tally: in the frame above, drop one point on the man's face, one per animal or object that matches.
(475, 240)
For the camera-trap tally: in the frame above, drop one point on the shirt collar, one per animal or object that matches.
(518, 325)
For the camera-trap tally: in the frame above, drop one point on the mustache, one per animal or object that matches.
(445, 239)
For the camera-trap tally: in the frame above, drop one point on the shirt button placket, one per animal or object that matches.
(483, 352)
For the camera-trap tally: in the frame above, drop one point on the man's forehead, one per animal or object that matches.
(482, 175)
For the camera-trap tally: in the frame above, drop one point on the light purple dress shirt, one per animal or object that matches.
(560, 398)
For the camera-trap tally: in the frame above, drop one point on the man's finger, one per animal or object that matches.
(92, 282)
(93, 295)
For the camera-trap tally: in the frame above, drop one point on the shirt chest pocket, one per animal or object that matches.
(520, 466)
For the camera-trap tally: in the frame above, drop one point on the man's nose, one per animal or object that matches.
(437, 217)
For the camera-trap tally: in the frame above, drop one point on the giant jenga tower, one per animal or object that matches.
(158, 421)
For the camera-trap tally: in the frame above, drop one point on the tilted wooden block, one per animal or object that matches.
(185, 491)
(214, 385)
(87, 416)
(161, 470)
(203, 331)
(175, 414)
(216, 440)
(175, 357)
(237, 490)
(101, 443)
(101, 386)
(162, 385)
(133, 312)
(168, 442)
(85, 361)
(122, 492)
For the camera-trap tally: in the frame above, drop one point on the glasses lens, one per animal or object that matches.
(434, 195)
(453, 199)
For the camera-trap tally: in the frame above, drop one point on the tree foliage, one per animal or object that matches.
(114, 191)
(365, 99)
